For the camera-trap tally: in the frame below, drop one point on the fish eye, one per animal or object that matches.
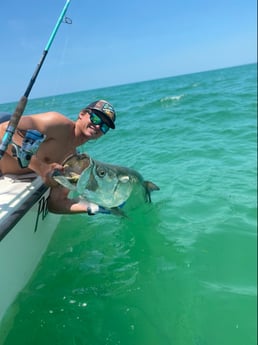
(100, 172)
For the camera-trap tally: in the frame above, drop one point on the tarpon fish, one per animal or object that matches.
(104, 184)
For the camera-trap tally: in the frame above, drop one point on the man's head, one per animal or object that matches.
(104, 110)
(96, 119)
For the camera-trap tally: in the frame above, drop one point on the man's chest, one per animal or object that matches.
(53, 150)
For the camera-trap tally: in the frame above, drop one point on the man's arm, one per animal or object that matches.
(58, 202)
(45, 170)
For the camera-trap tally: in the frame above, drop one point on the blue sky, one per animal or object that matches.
(118, 42)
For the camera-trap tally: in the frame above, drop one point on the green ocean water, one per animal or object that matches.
(181, 271)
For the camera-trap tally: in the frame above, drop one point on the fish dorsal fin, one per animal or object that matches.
(150, 186)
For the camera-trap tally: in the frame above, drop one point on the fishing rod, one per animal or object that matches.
(15, 118)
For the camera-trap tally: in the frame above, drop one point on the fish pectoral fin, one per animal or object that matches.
(117, 211)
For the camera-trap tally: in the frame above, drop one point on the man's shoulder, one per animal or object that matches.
(52, 116)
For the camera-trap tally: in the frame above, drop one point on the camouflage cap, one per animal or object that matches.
(105, 111)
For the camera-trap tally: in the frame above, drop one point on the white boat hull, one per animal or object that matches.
(26, 228)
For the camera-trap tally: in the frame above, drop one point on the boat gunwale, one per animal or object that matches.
(9, 222)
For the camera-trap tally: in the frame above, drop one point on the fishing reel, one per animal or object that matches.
(30, 146)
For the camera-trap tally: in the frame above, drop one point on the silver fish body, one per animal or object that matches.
(104, 184)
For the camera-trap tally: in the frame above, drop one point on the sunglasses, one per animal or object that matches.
(96, 120)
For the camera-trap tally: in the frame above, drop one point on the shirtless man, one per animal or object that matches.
(63, 136)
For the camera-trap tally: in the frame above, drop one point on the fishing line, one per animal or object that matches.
(15, 118)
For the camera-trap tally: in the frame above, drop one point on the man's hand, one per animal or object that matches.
(93, 209)
(48, 179)
(45, 170)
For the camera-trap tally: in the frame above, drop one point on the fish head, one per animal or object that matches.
(105, 184)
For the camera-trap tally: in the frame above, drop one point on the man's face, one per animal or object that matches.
(89, 129)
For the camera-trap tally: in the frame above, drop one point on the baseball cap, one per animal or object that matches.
(105, 111)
